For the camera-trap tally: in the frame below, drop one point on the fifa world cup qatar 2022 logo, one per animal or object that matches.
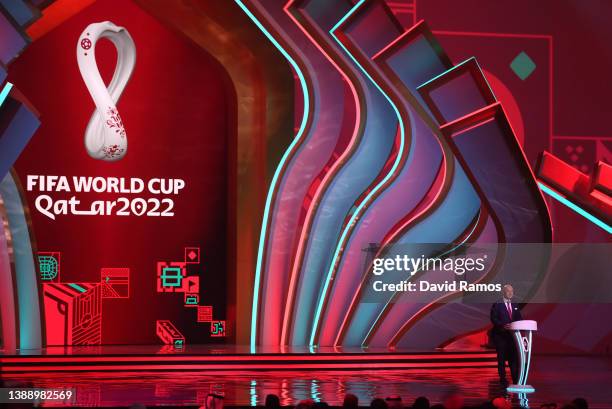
(105, 135)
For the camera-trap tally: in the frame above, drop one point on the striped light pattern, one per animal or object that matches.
(367, 47)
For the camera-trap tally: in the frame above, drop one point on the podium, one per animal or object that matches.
(522, 331)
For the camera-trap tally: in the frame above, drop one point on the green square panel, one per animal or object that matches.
(172, 277)
(523, 66)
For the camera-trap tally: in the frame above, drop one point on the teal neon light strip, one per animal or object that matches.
(314, 391)
(528, 359)
(359, 208)
(519, 345)
(574, 207)
(253, 393)
(456, 67)
(5, 91)
(273, 183)
(77, 287)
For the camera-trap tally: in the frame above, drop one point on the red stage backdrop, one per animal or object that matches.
(158, 277)
(243, 214)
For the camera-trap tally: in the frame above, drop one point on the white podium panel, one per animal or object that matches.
(523, 343)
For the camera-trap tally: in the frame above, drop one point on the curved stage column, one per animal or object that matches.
(331, 120)
(485, 144)
(343, 192)
(362, 316)
(26, 283)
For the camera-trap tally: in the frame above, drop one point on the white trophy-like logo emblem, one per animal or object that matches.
(105, 136)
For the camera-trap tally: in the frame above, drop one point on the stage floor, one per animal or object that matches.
(232, 358)
(153, 375)
(203, 349)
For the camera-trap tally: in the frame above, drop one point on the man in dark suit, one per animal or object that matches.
(503, 313)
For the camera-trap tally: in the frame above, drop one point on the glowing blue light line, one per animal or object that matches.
(298, 135)
(253, 392)
(528, 360)
(5, 91)
(456, 67)
(353, 218)
(314, 391)
(77, 287)
(575, 208)
(519, 345)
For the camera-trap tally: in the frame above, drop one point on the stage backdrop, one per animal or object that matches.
(152, 268)
(246, 199)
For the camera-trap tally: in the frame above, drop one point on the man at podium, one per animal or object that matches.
(503, 312)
